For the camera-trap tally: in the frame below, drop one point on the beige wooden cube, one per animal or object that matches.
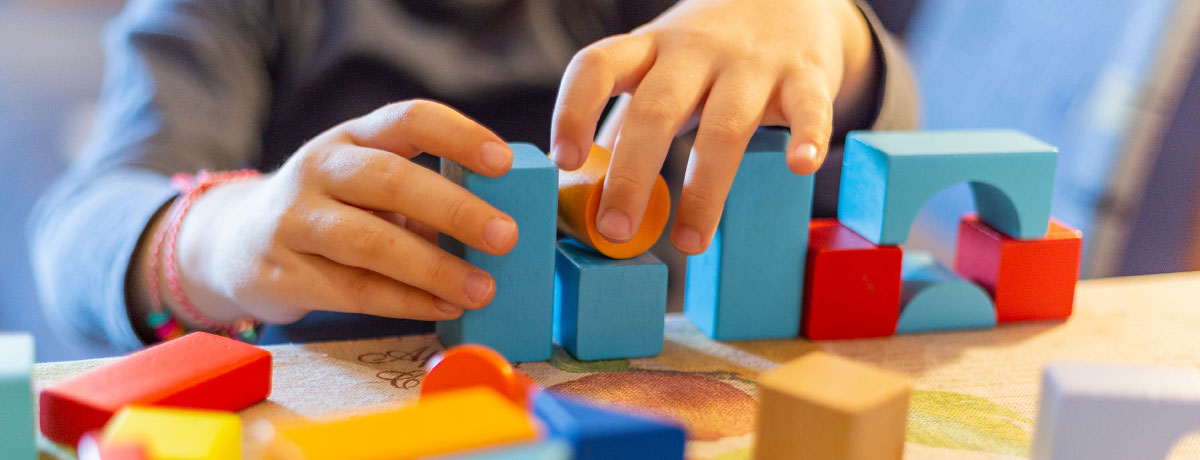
(824, 407)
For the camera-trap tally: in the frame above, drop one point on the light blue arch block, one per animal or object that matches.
(748, 284)
(551, 449)
(887, 176)
(606, 308)
(933, 298)
(518, 323)
(16, 397)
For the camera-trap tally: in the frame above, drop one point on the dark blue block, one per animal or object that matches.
(518, 323)
(606, 308)
(749, 283)
(597, 433)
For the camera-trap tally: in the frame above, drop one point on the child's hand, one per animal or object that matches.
(349, 224)
(738, 64)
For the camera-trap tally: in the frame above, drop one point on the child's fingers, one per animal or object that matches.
(595, 74)
(336, 287)
(411, 127)
(808, 107)
(664, 100)
(357, 238)
(731, 114)
(380, 181)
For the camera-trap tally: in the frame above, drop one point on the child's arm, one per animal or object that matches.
(737, 64)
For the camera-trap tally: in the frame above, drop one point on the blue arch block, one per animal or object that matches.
(518, 323)
(887, 176)
(606, 308)
(933, 298)
(749, 284)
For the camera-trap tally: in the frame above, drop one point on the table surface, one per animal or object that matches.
(976, 391)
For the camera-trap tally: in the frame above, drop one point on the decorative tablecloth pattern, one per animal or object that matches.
(976, 392)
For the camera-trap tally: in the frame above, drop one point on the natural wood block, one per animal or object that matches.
(177, 434)
(579, 200)
(442, 423)
(824, 407)
(199, 370)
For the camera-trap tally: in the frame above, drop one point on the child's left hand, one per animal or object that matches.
(738, 64)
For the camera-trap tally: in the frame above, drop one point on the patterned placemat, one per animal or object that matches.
(976, 392)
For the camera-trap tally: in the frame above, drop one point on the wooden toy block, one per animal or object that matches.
(887, 176)
(472, 365)
(579, 201)
(524, 299)
(747, 284)
(933, 298)
(1027, 279)
(438, 424)
(177, 434)
(1114, 412)
(606, 308)
(199, 370)
(90, 448)
(597, 433)
(824, 407)
(851, 287)
(16, 397)
(553, 449)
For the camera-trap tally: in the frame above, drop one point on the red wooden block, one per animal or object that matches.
(1028, 279)
(851, 286)
(199, 370)
(476, 365)
(90, 448)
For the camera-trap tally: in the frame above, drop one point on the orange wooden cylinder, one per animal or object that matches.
(579, 201)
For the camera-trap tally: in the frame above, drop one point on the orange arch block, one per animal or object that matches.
(579, 201)
(471, 365)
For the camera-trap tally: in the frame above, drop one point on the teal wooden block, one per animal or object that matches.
(749, 283)
(551, 449)
(16, 397)
(933, 298)
(606, 308)
(518, 322)
(887, 176)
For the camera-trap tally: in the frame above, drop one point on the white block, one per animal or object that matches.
(1114, 412)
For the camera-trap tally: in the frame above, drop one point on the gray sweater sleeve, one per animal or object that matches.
(185, 89)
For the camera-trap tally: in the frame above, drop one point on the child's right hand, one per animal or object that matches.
(349, 224)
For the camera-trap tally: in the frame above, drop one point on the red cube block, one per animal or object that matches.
(1028, 279)
(198, 370)
(851, 286)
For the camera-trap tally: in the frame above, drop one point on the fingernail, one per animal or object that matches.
(498, 233)
(479, 287)
(564, 154)
(446, 307)
(806, 151)
(687, 239)
(495, 156)
(614, 224)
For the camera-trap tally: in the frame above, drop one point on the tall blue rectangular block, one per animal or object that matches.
(606, 308)
(749, 283)
(16, 397)
(518, 322)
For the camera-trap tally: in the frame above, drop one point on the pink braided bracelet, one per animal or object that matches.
(165, 326)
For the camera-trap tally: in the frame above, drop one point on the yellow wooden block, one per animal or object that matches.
(825, 407)
(177, 434)
(445, 422)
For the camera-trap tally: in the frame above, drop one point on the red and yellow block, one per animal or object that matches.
(579, 201)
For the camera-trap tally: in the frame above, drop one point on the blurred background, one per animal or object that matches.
(1115, 84)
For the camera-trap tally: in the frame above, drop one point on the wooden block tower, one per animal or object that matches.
(822, 407)
(748, 284)
(518, 321)
(606, 308)
(16, 397)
